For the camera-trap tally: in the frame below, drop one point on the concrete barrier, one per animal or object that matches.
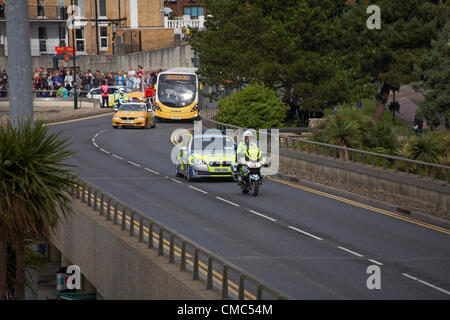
(119, 266)
(170, 57)
(408, 192)
(60, 103)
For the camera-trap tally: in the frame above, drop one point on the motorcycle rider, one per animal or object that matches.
(120, 98)
(246, 150)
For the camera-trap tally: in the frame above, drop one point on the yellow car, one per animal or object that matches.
(138, 96)
(134, 114)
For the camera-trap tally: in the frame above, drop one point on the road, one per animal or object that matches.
(308, 245)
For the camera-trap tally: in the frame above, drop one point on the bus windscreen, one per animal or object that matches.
(176, 90)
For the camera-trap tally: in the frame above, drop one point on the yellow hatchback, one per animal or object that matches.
(134, 114)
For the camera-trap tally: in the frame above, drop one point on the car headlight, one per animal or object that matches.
(116, 118)
(140, 118)
(199, 161)
(157, 107)
(194, 108)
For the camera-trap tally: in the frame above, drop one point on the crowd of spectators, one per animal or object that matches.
(60, 83)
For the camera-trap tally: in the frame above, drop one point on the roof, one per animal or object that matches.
(180, 70)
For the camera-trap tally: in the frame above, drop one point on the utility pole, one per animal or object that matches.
(96, 26)
(19, 62)
(75, 93)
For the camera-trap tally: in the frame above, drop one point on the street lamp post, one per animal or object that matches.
(75, 94)
(19, 62)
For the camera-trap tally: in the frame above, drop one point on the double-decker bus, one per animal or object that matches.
(177, 94)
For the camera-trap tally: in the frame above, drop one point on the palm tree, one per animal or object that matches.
(343, 131)
(429, 147)
(34, 184)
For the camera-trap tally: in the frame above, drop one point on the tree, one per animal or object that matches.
(388, 55)
(434, 73)
(34, 185)
(255, 107)
(295, 47)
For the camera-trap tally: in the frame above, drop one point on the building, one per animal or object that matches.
(190, 8)
(100, 26)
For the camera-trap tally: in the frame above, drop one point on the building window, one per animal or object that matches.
(62, 35)
(79, 42)
(80, 4)
(102, 8)
(40, 8)
(103, 38)
(194, 12)
(62, 10)
(42, 39)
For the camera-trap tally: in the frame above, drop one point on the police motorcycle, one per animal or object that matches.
(248, 171)
(120, 100)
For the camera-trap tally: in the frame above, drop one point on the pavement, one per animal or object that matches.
(307, 244)
(409, 103)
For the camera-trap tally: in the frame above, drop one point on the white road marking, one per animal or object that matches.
(434, 287)
(426, 283)
(352, 252)
(200, 190)
(152, 171)
(95, 145)
(224, 200)
(175, 180)
(134, 164)
(305, 233)
(117, 157)
(376, 262)
(408, 276)
(107, 152)
(262, 215)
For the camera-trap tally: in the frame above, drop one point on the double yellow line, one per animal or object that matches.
(357, 204)
(203, 268)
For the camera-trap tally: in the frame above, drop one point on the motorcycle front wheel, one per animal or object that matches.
(255, 188)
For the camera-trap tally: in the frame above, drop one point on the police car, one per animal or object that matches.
(206, 154)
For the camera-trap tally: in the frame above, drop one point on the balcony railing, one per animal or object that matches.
(43, 13)
(184, 21)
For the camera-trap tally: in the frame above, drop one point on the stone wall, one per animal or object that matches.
(166, 58)
(118, 265)
(400, 189)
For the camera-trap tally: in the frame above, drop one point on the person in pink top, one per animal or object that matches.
(105, 98)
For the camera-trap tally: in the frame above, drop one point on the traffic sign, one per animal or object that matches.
(61, 50)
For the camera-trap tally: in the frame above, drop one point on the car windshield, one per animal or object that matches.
(213, 145)
(133, 107)
(176, 90)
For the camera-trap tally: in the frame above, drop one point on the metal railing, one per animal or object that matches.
(43, 12)
(191, 257)
(396, 164)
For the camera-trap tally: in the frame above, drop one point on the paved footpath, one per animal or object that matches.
(409, 102)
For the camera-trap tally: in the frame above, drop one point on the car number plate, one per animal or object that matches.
(178, 118)
(128, 121)
(220, 170)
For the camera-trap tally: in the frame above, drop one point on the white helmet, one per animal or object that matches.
(122, 90)
(248, 133)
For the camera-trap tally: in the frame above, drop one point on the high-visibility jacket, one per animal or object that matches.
(104, 90)
(248, 151)
(121, 98)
